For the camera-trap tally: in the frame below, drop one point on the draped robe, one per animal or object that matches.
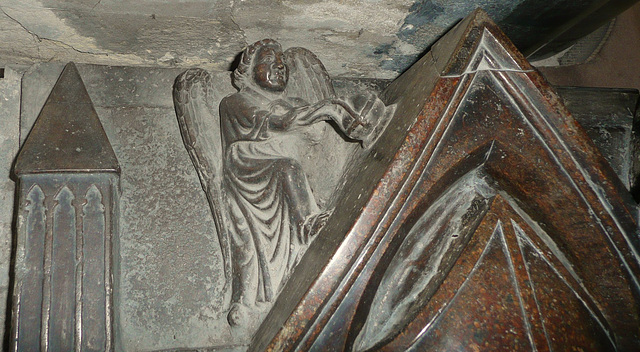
(267, 194)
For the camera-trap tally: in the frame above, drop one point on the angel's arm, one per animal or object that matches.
(279, 115)
(252, 119)
(285, 115)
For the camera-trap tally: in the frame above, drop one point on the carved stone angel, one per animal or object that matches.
(264, 210)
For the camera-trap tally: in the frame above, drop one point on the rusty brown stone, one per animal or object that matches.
(542, 254)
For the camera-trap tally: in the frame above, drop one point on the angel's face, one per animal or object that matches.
(270, 71)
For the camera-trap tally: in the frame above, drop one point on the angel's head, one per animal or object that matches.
(262, 63)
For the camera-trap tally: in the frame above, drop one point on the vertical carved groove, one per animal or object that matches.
(46, 282)
(111, 266)
(526, 316)
(68, 154)
(94, 327)
(79, 206)
(30, 292)
(63, 254)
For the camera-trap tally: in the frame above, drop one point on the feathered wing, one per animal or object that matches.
(308, 79)
(196, 103)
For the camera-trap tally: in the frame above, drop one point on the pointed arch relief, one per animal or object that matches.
(29, 268)
(406, 274)
(62, 314)
(434, 295)
(94, 204)
(36, 217)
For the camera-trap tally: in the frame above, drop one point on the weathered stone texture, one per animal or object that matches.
(171, 270)
(9, 122)
(366, 38)
(171, 278)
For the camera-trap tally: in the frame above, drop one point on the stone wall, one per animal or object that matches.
(171, 280)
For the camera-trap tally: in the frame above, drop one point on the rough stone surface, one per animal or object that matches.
(171, 277)
(9, 120)
(171, 273)
(366, 38)
(608, 117)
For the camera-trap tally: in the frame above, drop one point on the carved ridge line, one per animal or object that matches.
(483, 50)
(357, 262)
(46, 286)
(525, 317)
(110, 230)
(387, 218)
(94, 230)
(516, 229)
(432, 146)
(532, 306)
(480, 191)
(104, 239)
(390, 215)
(63, 256)
(79, 274)
(447, 305)
(578, 285)
(33, 208)
(522, 237)
(537, 114)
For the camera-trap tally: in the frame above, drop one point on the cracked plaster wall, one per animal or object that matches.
(361, 38)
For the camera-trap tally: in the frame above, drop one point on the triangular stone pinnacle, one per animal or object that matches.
(67, 136)
(459, 48)
(475, 43)
(471, 105)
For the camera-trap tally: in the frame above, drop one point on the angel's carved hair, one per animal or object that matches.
(242, 74)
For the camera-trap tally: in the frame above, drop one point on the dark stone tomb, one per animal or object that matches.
(466, 205)
(483, 219)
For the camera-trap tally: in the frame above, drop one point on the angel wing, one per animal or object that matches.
(308, 79)
(196, 103)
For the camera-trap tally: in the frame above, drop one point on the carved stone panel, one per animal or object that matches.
(65, 261)
(483, 219)
(248, 149)
(67, 228)
(171, 282)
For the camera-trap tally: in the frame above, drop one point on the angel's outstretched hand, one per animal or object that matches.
(323, 110)
(350, 122)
